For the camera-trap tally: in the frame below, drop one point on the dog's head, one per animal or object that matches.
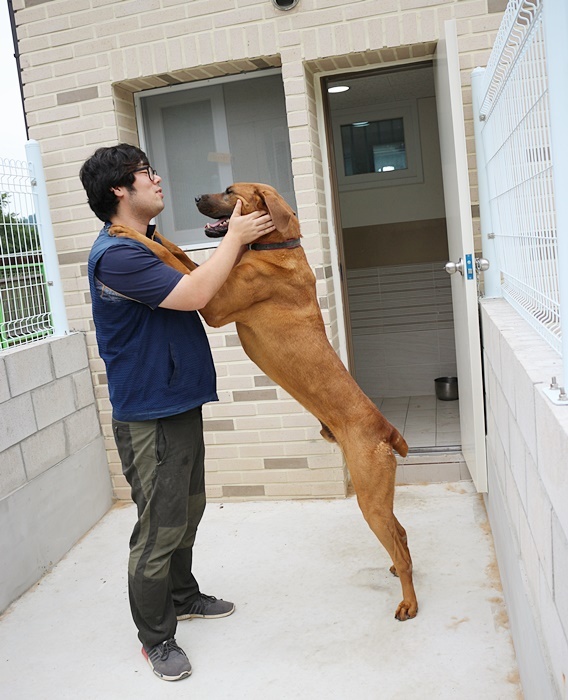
(254, 197)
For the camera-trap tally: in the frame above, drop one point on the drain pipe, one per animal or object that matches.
(17, 57)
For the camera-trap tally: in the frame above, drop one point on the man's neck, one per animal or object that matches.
(132, 222)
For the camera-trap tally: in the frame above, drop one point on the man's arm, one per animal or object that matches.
(194, 291)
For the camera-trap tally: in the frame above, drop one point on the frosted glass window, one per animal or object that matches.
(189, 141)
(258, 133)
(202, 139)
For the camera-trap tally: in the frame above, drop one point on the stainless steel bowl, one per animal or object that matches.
(446, 388)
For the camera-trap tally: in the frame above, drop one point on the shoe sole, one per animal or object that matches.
(191, 616)
(183, 675)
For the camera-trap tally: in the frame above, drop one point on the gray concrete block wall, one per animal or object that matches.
(527, 444)
(54, 478)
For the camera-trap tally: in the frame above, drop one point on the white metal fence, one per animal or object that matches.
(516, 163)
(31, 298)
(520, 112)
(516, 137)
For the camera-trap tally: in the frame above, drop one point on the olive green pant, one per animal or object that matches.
(163, 461)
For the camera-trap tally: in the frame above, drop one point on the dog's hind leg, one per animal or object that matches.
(375, 494)
(385, 528)
(402, 533)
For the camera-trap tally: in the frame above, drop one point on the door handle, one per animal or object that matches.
(452, 267)
(481, 264)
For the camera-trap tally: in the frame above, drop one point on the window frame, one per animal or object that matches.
(412, 174)
(143, 126)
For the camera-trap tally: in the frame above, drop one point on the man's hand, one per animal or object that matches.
(194, 291)
(249, 227)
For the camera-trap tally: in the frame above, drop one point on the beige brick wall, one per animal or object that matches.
(83, 61)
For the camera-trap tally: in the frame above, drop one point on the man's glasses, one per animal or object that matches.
(152, 174)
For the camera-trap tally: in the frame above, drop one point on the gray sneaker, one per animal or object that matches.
(208, 607)
(168, 661)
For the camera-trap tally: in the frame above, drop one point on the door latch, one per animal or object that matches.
(481, 264)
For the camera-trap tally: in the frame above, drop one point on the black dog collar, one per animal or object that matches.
(292, 243)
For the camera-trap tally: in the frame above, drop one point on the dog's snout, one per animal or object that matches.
(198, 198)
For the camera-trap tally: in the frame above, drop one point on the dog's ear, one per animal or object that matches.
(280, 213)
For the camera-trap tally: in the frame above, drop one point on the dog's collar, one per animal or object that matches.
(292, 243)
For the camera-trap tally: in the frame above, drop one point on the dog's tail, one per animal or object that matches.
(398, 443)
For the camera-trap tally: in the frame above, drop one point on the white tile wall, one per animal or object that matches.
(402, 327)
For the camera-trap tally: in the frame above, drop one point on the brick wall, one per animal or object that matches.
(527, 444)
(83, 60)
(54, 482)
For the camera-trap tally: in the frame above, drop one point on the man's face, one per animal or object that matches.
(145, 199)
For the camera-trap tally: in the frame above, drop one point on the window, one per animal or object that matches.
(204, 138)
(373, 147)
(377, 146)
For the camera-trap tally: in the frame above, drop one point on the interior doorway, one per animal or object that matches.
(385, 153)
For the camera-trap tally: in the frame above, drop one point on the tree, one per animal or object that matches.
(17, 235)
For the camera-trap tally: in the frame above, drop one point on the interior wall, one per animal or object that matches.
(402, 224)
(411, 202)
(402, 328)
(398, 243)
(395, 246)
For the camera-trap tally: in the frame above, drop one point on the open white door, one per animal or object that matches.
(460, 242)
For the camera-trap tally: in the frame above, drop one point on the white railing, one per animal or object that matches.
(31, 297)
(516, 164)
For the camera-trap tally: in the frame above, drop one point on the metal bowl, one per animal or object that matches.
(446, 388)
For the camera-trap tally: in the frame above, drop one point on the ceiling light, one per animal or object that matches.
(338, 88)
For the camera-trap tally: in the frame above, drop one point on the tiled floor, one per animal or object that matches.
(424, 421)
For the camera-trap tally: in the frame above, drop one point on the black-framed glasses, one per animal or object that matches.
(152, 174)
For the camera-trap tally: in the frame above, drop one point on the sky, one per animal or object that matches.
(12, 128)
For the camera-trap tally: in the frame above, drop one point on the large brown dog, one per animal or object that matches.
(271, 296)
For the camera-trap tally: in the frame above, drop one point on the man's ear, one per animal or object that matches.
(280, 213)
(118, 191)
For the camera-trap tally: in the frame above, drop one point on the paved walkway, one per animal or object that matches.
(315, 605)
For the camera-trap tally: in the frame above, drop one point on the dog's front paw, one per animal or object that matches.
(118, 230)
(406, 610)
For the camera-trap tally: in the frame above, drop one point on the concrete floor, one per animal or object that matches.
(315, 604)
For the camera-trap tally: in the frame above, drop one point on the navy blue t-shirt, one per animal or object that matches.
(137, 274)
(158, 360)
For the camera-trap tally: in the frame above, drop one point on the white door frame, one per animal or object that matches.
(472, 420)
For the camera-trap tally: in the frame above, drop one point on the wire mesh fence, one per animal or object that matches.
(515, 112)
(24, 301)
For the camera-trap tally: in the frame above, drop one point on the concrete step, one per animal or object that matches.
(432, 466)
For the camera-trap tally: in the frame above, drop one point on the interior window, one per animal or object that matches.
(373, 147)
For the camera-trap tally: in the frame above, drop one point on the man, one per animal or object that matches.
(160, 372)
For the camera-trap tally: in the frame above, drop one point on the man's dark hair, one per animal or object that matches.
(110, 166)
